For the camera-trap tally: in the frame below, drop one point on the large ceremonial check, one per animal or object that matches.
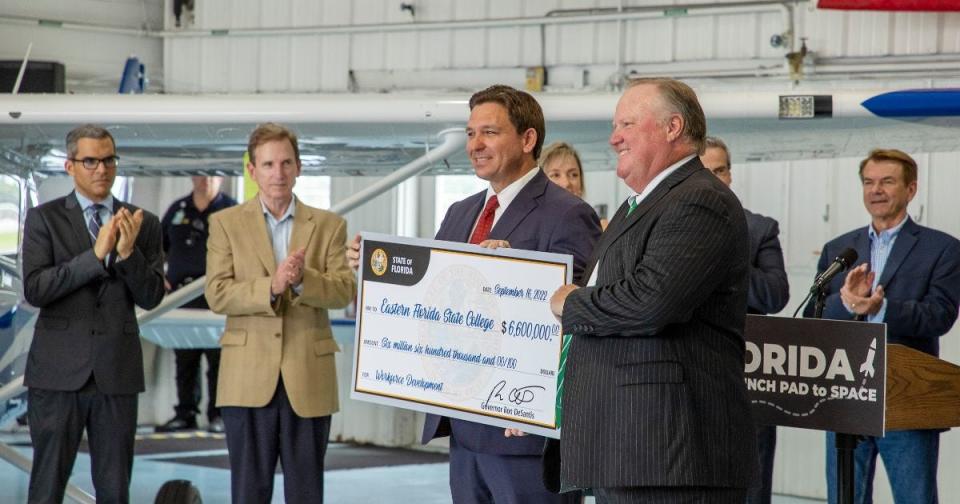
(458, 330)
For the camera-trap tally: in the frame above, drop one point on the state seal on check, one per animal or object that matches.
(378, 262)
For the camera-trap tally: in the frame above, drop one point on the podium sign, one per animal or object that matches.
(817, 374)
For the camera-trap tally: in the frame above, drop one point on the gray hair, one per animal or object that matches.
(86, 131)
(679, 98)
(712, 142)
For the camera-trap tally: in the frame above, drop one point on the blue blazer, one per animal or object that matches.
(543, 217)
(769, 290)
(921, 281)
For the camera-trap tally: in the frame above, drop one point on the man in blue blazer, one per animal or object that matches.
(768, 293)
(521, 209)
(908, 277)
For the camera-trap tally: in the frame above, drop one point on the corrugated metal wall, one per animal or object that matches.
(231, 63)
(93, 59)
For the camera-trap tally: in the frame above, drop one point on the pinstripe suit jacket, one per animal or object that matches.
(654, 380)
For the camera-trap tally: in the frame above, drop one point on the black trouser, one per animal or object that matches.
(188, 381)
(57, 420)
(257, 437)
(178, 8)
(766, 448)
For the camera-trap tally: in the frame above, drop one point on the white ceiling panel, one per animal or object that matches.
(916, 33)
(306, 63)
(334, 63)
(679, 40)
(950, 33)
(215, 63)
(244, 66)
(366, 51)
(649, 40)
(113, 12)
(274, 70)
(402, 51)
(694, 38)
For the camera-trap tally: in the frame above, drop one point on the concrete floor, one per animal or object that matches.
(408, 484)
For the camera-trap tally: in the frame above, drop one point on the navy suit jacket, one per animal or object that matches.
(543, 217)
(921, 282)
(769, 290)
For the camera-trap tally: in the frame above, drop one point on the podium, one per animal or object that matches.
(923, 392)
(842, 376)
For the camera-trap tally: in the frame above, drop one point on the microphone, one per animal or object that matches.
(840, 264)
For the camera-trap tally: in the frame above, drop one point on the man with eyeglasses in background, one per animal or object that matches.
(88, 260)
(185, 235)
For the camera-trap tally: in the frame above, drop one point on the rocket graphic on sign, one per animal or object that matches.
(867, 367)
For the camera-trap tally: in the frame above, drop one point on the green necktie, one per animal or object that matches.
(633, 204)
(564, 350)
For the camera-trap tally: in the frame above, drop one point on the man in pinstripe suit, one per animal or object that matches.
(655, 407)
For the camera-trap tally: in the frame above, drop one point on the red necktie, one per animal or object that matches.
(482, 231)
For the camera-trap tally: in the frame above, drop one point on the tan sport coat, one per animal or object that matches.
(290, 337)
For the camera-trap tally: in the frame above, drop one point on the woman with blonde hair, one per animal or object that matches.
(560, 162)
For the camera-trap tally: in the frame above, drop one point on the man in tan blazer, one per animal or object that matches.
(274, 267)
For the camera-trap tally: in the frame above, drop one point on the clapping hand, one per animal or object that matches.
(353, 253)
(856, 291)
(106, 239)
(289, 272)
(129, 226)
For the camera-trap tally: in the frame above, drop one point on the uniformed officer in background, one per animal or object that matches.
(185, 245)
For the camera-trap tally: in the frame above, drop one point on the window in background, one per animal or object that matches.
(408, 207)
(453, 188)
(313, 190)
(122, 188)
(9, 214)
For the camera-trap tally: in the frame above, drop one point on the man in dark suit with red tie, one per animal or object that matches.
(655, 408)
(521, 209)
(88, 261)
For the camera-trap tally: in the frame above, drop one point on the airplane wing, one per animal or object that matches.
(185, 328)
(377, 134)
(374, 134)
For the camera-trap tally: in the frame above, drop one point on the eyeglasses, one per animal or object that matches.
(91, 163)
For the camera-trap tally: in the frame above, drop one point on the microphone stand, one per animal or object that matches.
(845, 443)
